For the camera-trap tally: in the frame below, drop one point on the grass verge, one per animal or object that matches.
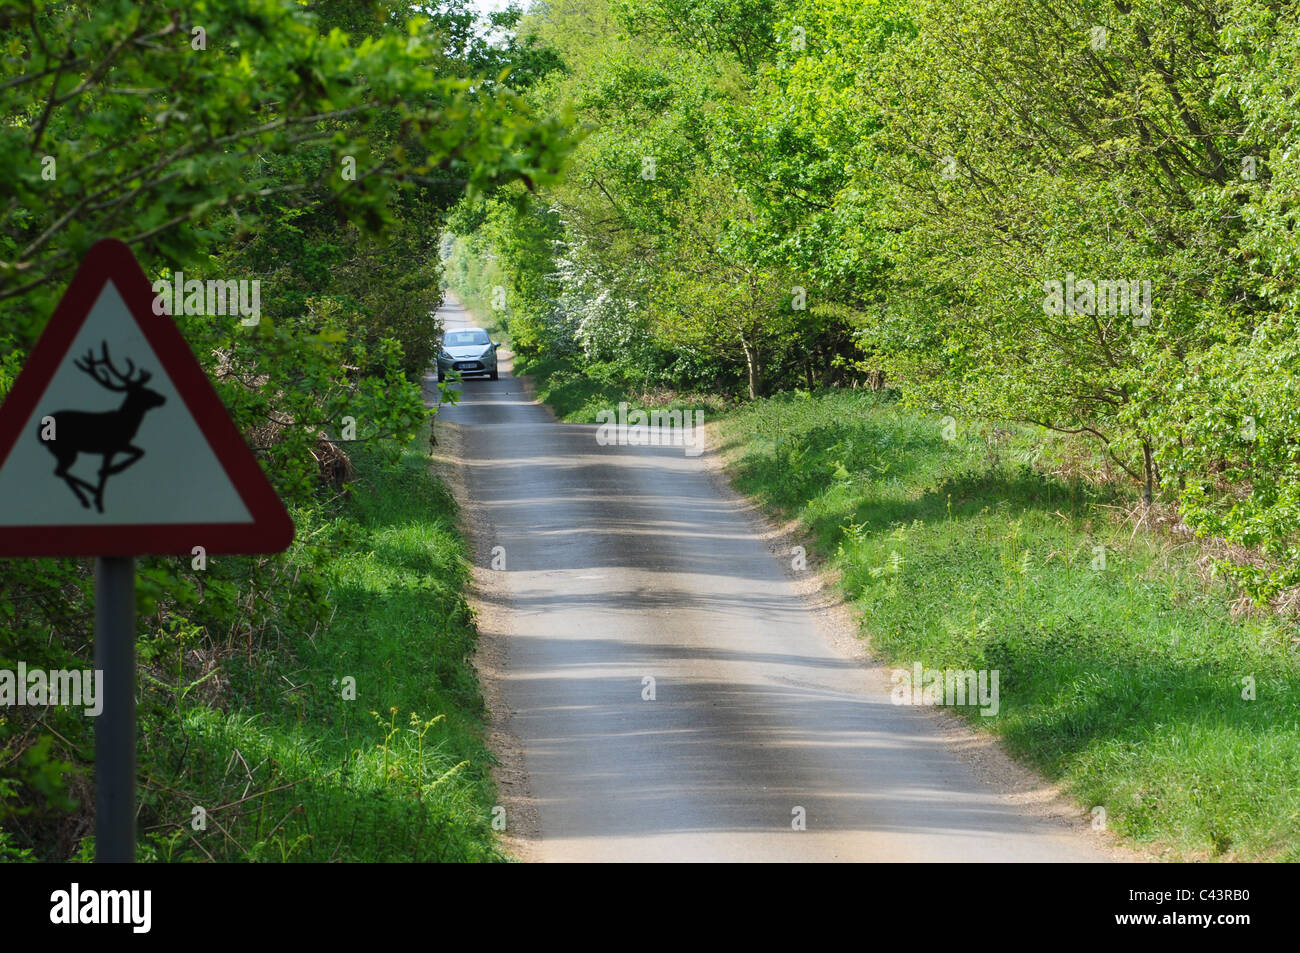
(577, 391)
(1123, 675)
(294, 765)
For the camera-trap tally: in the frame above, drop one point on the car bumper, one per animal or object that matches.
(466, 367)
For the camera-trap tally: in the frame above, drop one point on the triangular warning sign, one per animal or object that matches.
(113, 441)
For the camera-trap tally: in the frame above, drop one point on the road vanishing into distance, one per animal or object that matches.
(627, 562)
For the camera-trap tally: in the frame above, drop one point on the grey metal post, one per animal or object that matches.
(115, 724)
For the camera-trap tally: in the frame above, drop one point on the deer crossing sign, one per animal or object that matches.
(114, 443)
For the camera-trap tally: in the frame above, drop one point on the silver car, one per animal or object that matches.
(469, 351)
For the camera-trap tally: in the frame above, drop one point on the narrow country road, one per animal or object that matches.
(628, 562)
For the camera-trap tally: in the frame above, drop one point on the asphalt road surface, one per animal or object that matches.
(627, 563)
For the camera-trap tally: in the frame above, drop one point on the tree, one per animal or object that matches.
(141, 122)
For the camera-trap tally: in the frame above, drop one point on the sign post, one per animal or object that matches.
(115, 729)
(114, 444)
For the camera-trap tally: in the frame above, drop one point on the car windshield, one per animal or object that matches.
(464, 338)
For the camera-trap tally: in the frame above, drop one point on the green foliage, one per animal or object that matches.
(1007, 145)
(321, 165)
(150, 136)
(917, 177)
(657, 250)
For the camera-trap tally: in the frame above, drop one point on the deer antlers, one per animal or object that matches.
(128, 381)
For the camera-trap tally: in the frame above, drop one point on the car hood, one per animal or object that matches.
(468, 352)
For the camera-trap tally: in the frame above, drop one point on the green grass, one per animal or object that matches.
(577, 391)
(399, 773)
(1124, 684)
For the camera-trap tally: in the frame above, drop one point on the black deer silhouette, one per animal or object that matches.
(104, 434)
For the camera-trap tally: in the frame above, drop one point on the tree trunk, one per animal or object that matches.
(1149, 465)
(752, 365)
